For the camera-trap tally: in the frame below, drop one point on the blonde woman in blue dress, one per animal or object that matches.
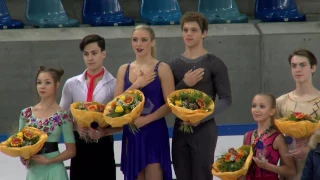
(48, 116)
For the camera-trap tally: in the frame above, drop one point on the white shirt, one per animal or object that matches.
(75, 90)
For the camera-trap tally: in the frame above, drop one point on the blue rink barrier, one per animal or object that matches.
(223, 130)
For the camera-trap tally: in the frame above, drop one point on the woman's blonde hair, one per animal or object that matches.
(152, 36)
(315, 139)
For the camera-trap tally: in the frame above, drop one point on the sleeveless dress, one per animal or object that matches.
(151, 144)
(273, 156)
(56, 125)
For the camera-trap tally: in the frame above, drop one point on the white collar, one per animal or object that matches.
(107, 77)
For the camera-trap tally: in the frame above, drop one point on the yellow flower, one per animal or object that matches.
(123, 97)
(178, 103)
(20, 134)
(119, 109)
(9, 139)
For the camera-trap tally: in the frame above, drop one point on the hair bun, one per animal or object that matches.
(42, 68)
(55, 73)
(59, 72)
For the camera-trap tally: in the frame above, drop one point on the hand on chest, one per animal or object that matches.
(204, 75)
(143, 71)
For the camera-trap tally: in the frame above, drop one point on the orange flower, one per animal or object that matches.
(238, 158)
(29, 135)
(129, 99)
(228, 157)
(240, 153)
(299, 116)
(101, 107)
(92, 108)
(16, 142)
(200, 103)
(113, 104)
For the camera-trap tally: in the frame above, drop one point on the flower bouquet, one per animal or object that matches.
(234, 164)
(125, 108)
(86, 113)
(25, 143)
(298, 125)
(190, 106)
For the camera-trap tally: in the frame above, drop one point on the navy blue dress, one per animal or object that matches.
(151, 144)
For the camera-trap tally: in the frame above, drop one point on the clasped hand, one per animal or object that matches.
(301, 150)
(94, 134)
(262, 163)
(39, 159)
